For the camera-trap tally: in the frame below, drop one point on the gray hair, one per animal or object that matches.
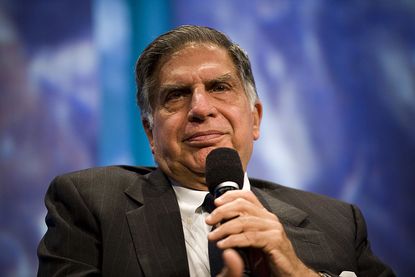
(163, 46)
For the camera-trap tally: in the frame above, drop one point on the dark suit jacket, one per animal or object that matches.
(125, 221)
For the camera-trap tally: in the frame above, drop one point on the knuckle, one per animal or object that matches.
(239, 201)
(274, 216)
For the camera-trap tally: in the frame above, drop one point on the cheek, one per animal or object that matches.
(166, 131)
(242, 120)
(245, 131)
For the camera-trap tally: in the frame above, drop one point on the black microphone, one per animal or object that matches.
(224, 172)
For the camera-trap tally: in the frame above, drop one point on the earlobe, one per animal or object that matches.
(149, 133)
(257, 117)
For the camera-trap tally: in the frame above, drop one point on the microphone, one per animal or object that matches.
(224, 172)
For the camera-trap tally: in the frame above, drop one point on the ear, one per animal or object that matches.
(149, 133)
(257, 117)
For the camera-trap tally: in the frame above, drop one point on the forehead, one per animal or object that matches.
(206, 59)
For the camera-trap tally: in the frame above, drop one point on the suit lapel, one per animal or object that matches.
(309, 243)
(156, 227)
(286, 213)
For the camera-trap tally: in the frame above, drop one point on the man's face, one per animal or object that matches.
(200, 105)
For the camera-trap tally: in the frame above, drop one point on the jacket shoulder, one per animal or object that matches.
(98, 183)
(308, 201)
(106, 174)
(113, 169)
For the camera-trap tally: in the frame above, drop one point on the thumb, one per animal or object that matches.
(233, 264)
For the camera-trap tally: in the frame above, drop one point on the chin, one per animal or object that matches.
(197, 159)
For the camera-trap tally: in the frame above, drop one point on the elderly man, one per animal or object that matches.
(196, 93)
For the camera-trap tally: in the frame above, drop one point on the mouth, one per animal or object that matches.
(206, 138)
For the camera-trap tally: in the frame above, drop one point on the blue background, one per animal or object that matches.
(336, 79)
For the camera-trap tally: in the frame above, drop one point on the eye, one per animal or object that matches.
(219, 87)
(175, 94)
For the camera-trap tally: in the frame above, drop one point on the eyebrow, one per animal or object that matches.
(222, 78)
(166, 88)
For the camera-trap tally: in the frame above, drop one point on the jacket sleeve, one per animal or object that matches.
(368, 263)
(71, 245)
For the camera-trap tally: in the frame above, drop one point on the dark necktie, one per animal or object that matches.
(215, 254)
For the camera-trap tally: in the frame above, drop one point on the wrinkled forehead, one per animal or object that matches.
(174, 52)
(206, 51)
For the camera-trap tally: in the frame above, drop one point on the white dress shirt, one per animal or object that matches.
(194, 227)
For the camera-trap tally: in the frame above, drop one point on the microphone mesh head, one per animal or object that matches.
(223, 164)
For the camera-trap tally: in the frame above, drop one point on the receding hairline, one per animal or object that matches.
(168, 56)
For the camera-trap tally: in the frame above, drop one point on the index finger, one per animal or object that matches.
(232, 195)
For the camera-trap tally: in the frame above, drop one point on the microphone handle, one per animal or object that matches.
(243, 252)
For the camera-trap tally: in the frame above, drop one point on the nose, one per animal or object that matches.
(201, 106)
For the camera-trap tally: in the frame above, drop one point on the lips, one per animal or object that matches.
(210, 136)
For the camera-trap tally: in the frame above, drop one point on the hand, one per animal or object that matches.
(248, 224)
